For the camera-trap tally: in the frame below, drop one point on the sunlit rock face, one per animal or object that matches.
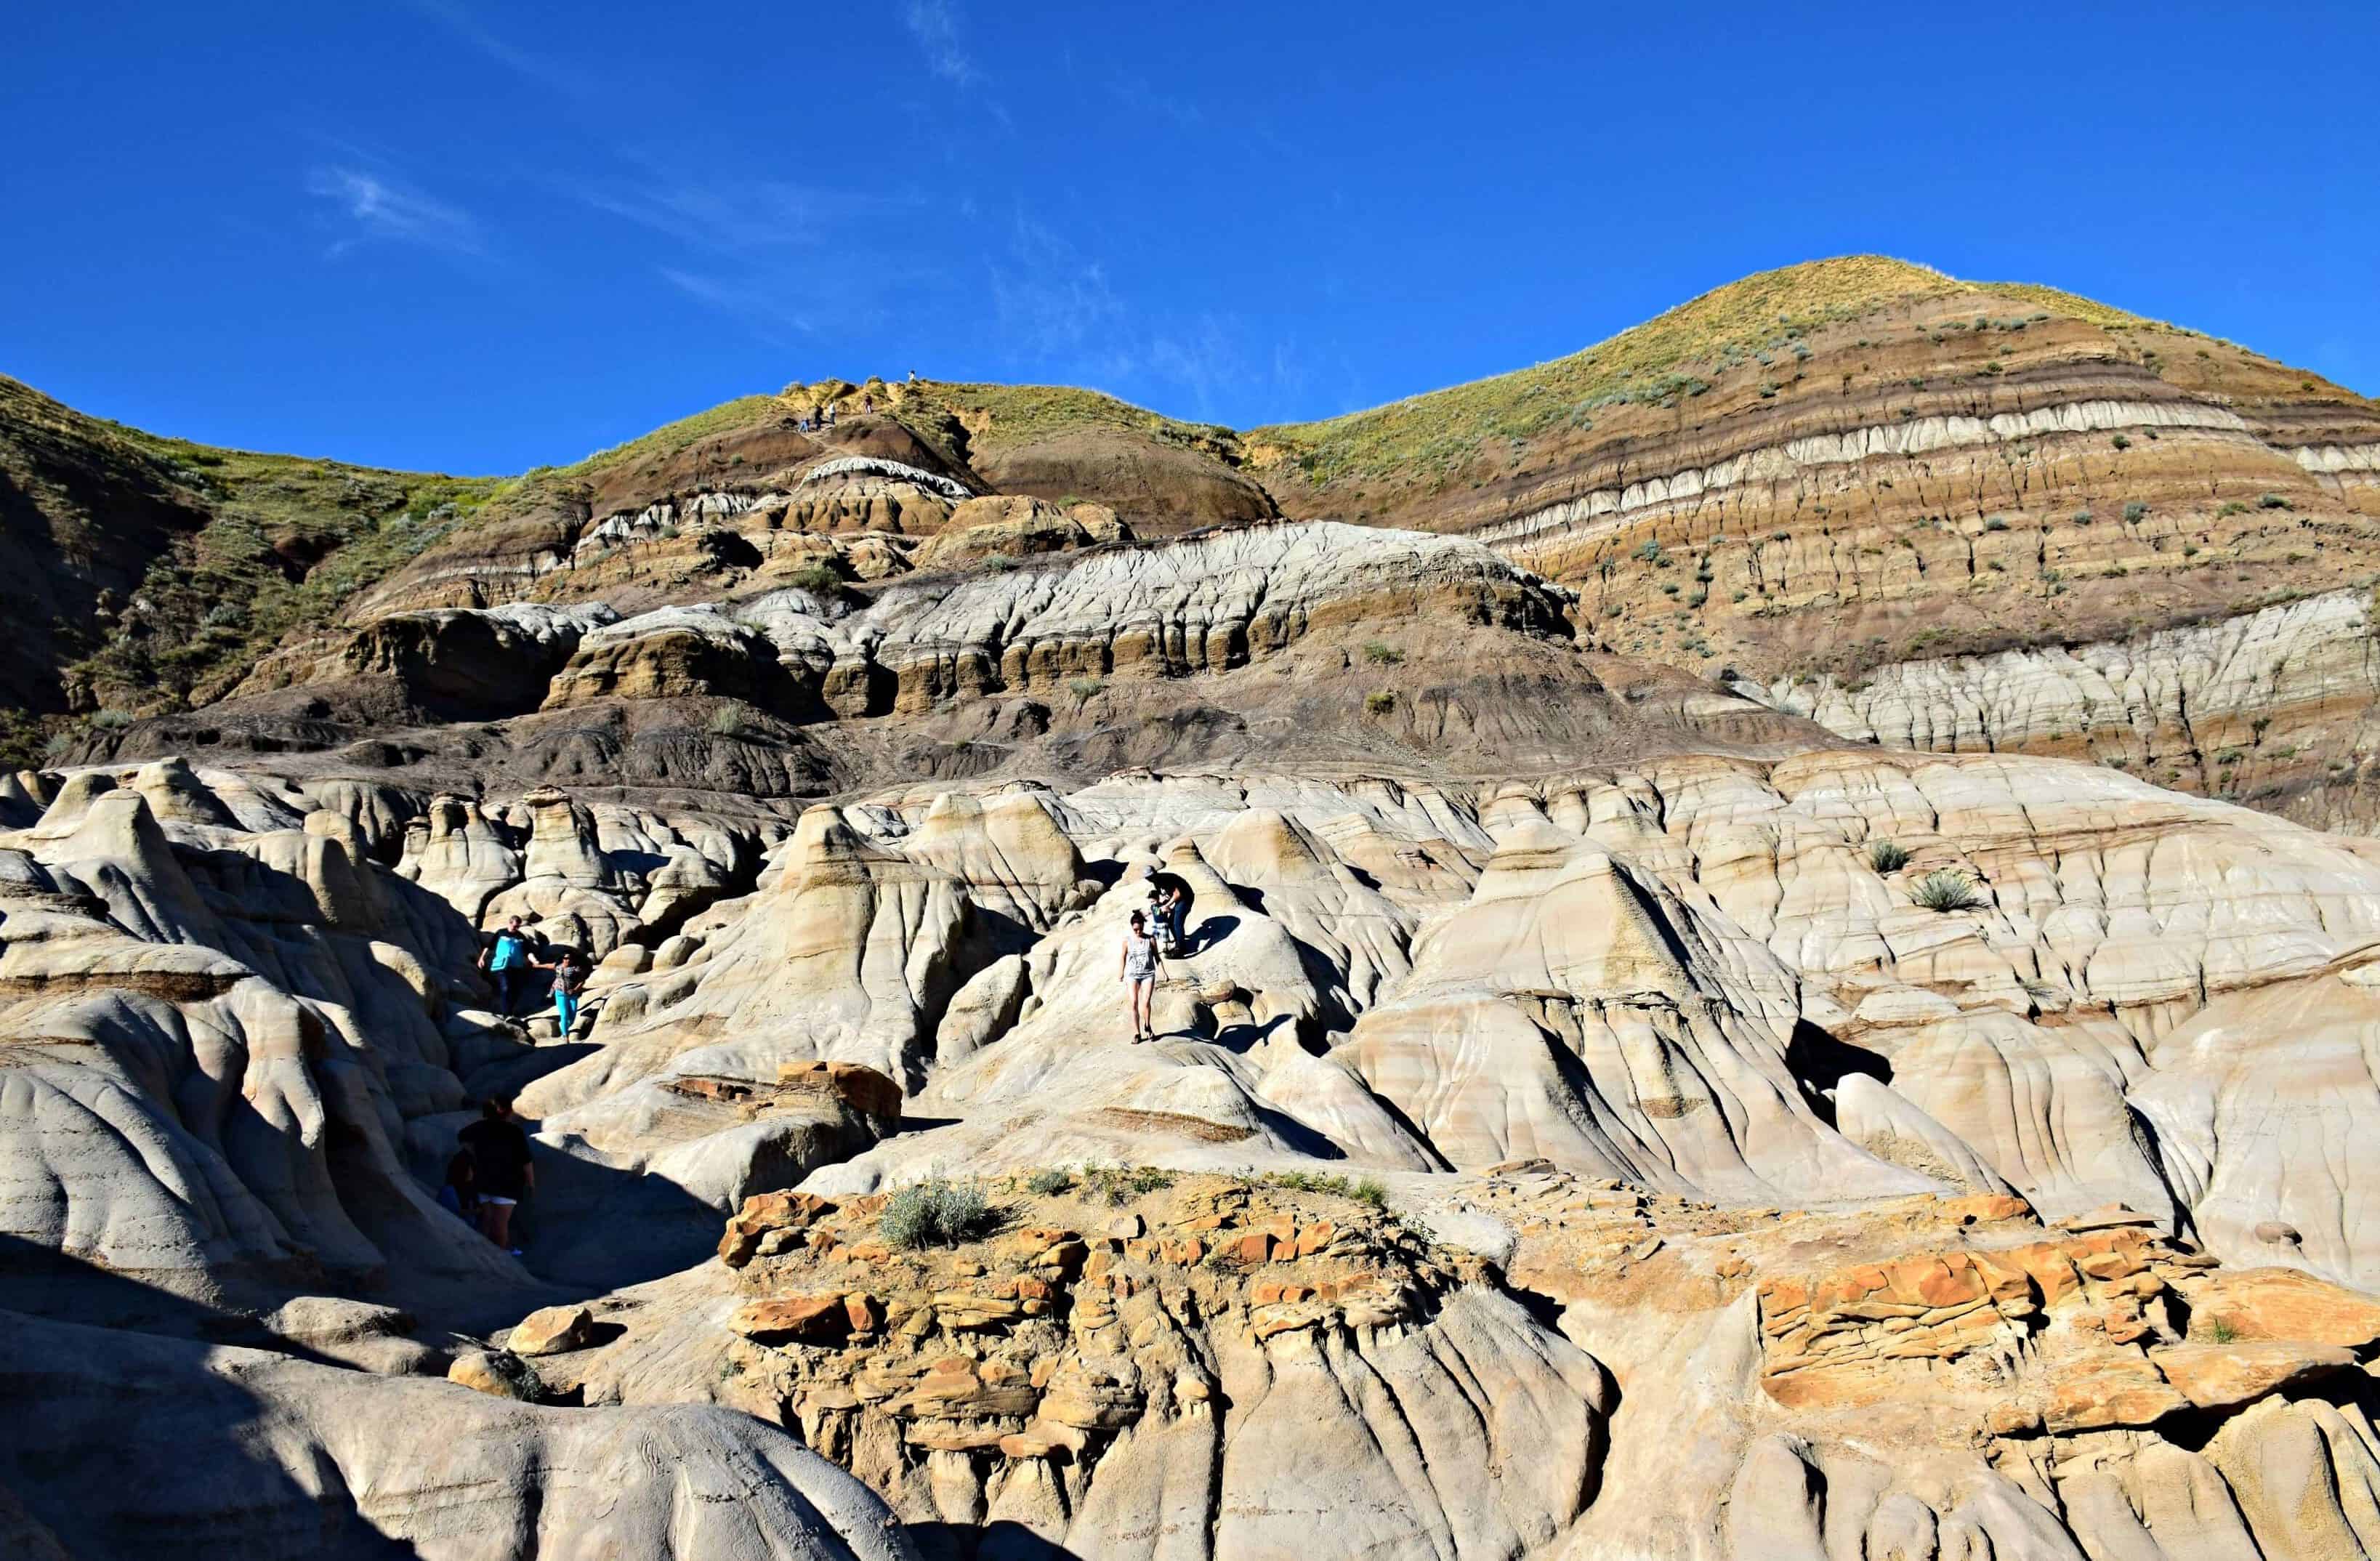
(1696, 1072)
(1665, 1086)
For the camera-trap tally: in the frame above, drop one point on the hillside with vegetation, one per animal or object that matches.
(1675, 357)
(1798, 482)
(143, 573)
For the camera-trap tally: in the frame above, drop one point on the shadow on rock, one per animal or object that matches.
(990, 1542)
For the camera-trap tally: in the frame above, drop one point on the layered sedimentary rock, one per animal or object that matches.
(1159, 486)
(1916, 501)
(751, 493)
(1046, 636)
(215, 1039)
(457, 662)
(1017, 527)
(1834, 467)
(1195, 606)
(1594, 1109)
(1244, 1369)
(1956, 1379)
(2274, 708)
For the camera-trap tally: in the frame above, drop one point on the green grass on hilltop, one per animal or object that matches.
(283, 541)
(1011, 415)
(1666, 360)
(224, 597)
(670, 439)
(2073, 306)
(1005, 414)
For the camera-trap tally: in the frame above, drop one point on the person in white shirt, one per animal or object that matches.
(1140, 974)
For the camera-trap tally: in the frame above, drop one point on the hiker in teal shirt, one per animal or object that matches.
(506, 961)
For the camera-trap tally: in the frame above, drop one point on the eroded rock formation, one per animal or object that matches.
(1865, 1106)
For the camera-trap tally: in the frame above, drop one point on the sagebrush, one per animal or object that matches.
(934, 1213)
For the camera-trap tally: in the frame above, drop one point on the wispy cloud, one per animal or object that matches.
(761, 307)
(1057, 312)
(1144, 102)
(375, 206)
(1053, 307)
(1202, 359)
(777, 257)
(1289, 372)
(544, 69)
(936, 28)
(741, 217)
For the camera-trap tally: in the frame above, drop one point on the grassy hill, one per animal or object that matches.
(1668, 358)
(146, 574)
(143, 573)
(1000, 415)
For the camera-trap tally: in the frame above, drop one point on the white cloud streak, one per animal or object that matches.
(742, 217)
(936, 28)
(1053, 306)
(761, 307)
(546, 72)
(380, 208)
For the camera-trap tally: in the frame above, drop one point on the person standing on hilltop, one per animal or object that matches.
(498, 1149)
(1140, 975)
(507, 961)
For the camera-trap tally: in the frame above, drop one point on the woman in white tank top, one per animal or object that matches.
(1140, 974)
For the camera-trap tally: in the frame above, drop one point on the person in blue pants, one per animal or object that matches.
(569, 981)
(1169, 897)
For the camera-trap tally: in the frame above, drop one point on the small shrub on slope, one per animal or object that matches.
(1946, 890)
(934, 1213)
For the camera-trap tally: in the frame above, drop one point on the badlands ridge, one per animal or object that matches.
(1652, 1073)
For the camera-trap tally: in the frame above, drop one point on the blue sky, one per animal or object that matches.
(478, 235)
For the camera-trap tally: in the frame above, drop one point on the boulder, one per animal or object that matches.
(2283, 1305)
(498, 1374)
(551, 1330)
(2111, 1389)
(2226, 1376)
